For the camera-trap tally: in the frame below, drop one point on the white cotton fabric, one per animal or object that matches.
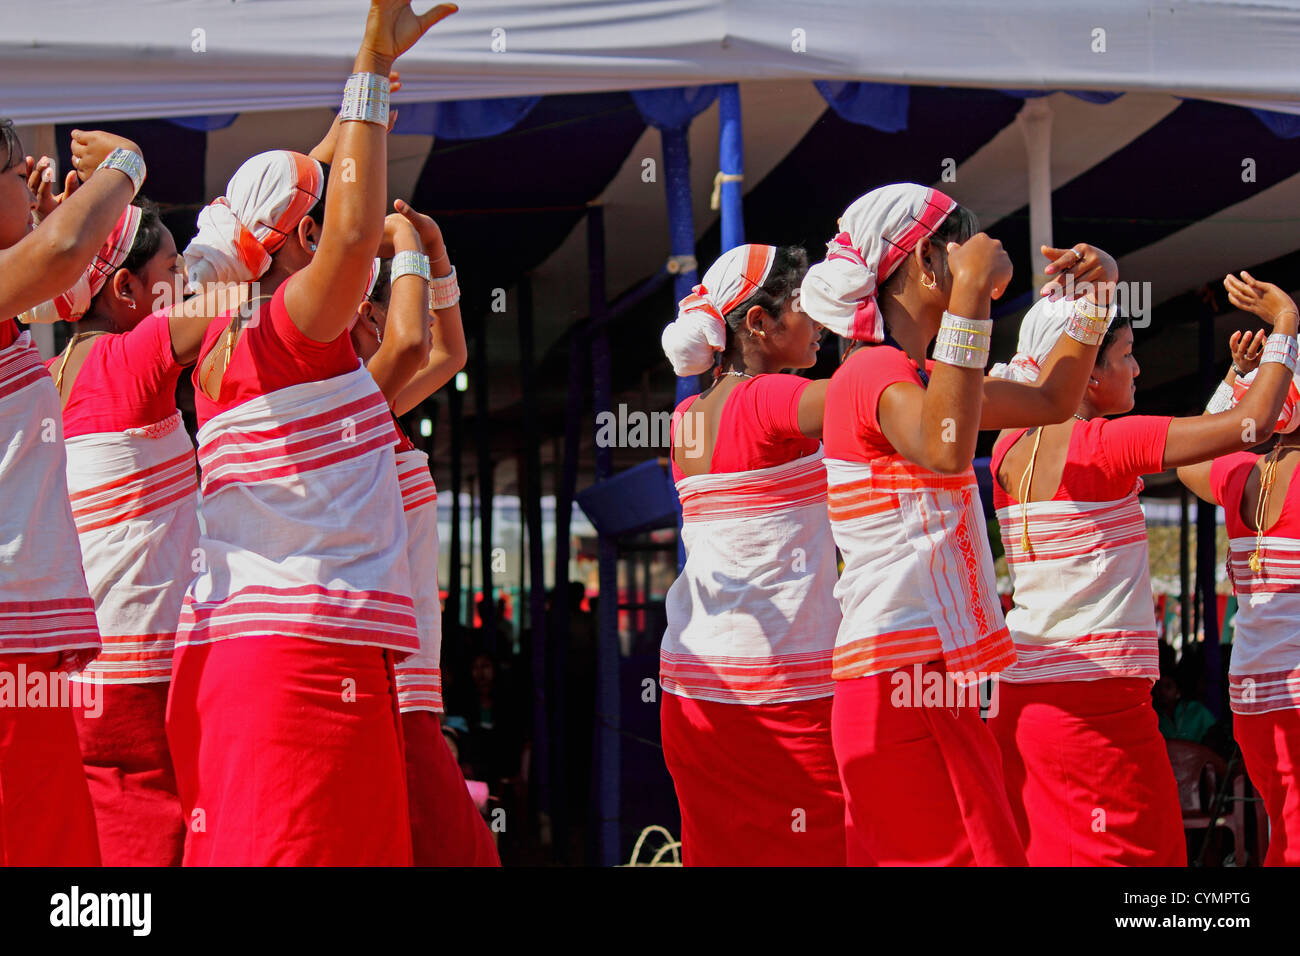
(265, 198)
(700, 330)
(876, 234)
(135, 500)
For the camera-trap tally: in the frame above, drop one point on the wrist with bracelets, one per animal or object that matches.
(1221, 400)
(963, 342)
(408, 262)
(365, 99)
(444, 291)
(1281, 348)
(1088, 322)
(126, 161)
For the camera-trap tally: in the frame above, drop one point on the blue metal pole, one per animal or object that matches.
(731, 162)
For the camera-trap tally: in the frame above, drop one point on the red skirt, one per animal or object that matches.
(756, 784)
(446, 827)
(46, 818)
(1270, 744)
(288, 752)
(1088, 773)
(129, 770)
(923, 784)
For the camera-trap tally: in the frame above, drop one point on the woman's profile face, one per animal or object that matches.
(159, 276)
(795, 337)
(17, 203)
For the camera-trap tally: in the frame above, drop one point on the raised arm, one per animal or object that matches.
(446, 352)
(321, 298)
(936, 427)
(51, 258)
(1064, 376)
(1194, 442)
(405, 345)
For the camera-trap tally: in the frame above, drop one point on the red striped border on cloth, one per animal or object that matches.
(135, 495)
(308, 444)
(373, 618)
(754, 494)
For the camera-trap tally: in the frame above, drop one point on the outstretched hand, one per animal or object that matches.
(1264, 299)
(392, 27)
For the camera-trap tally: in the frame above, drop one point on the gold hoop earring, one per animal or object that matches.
(929, 285)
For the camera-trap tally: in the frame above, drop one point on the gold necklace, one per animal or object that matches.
(67, 354)
(1026, 481)
(1266, 479)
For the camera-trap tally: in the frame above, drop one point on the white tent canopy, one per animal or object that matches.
(83, 60)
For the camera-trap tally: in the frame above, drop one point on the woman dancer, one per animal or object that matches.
(393, 325)
(47, 620)
(282, 719)
(921, 775)
(745, 662)
(1086, 767)
(131, 476)
(1258, 495)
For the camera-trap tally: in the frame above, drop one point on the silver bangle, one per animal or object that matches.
(408, 262)
(127, 161)
(1281, 348)
(365, 99)
(963, 342)
(1221, 400)
(444, 291)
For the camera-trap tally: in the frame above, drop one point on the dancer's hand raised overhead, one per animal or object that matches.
(1262, 298)
(392, 27)
(1080, 270)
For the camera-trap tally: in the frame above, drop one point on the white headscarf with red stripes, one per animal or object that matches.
(74, 303)
(877, 233)
(1288, 419)
(264, 202)
(700, 329)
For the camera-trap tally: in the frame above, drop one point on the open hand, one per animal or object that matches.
(392, 27)
(1264, 299)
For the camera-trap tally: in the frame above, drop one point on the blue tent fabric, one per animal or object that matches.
(464, 119)
(881, 106)
(1282, 125)
(1088, 96)
(673, 107)
(205, 124)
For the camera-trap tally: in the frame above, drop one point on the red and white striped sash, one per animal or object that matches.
(419, 677)
(918, 581)
(135, 500)
(1082, 591)
(752, 617)
(304, 533)
(44, 602)
(1264, 674)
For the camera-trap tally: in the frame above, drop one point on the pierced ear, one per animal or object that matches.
(305, 227)
(754, 319)
(126, 287)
